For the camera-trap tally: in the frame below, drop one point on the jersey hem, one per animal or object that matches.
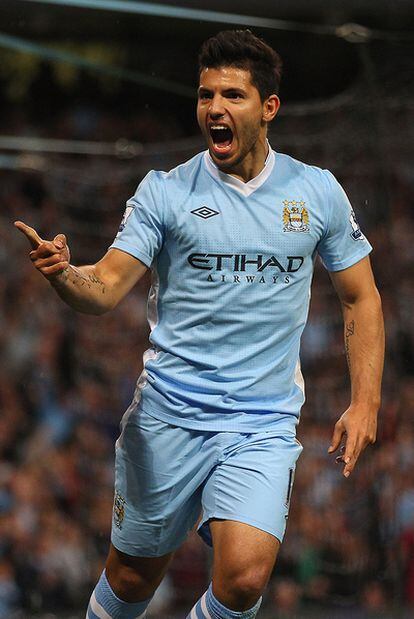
(283, 425)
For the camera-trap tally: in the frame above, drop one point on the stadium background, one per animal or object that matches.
(90, 100)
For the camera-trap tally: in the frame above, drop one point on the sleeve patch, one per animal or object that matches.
(125, 216)
(356, 230)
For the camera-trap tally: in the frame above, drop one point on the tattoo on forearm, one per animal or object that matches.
(349, 332)
(79, 279)
(93, 279)
(64, 276)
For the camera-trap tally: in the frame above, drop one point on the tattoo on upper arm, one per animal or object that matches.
(349, 332)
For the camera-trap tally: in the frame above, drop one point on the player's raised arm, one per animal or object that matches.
(92, 289)
(364, 345)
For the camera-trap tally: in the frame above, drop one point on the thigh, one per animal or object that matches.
(239, 547)
(252, 484)
(159, 470)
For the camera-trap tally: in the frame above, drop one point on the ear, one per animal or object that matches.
(270, 108)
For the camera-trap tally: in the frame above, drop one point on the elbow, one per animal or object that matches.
(94, 309)
(103, 309)
(377, 302)
(99, 311)
(102, 305)
(372, 299)
(378, 297)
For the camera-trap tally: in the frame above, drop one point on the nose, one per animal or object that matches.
(216, 109)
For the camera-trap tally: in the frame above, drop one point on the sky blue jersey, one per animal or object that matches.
(232, 264)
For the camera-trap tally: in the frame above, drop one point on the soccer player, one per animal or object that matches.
(230, 237)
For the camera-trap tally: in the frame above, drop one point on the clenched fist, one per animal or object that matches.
(51, 258)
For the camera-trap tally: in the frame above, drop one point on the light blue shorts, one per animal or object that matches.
(167, 476)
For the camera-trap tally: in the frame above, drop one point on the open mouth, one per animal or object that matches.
(222, 137)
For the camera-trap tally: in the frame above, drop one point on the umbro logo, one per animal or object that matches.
(205, 212)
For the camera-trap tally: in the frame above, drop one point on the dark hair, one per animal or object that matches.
(242, 49)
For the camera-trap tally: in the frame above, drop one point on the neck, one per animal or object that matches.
(252, 164)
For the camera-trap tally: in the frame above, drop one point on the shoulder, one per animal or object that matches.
(178, 177)
(163, 192)
(300, 170)
(160, 184)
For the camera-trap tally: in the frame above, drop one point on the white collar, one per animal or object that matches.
(248, 188)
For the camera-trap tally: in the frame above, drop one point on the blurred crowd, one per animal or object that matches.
(66, 378)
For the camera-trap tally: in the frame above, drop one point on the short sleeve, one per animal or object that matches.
(343, 243)
(141, 232)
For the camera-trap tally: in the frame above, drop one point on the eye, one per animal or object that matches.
(234, 95)
(203, 95)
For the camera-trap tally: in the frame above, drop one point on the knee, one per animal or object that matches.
(129, 584)
(134, 579)
(247, 589)
(241, 590)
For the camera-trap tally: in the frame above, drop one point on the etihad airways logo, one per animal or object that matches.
(239, 262)
(238, 268)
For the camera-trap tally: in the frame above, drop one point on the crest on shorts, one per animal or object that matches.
(295, 216)
(119, 509)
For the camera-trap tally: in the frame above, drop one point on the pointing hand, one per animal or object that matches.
(51, 258)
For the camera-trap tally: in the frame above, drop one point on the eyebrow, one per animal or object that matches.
(228, 90)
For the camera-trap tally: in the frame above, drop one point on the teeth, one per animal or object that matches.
(218, 127)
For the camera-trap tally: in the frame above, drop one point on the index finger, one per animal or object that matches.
(352, 452)
(30, 233)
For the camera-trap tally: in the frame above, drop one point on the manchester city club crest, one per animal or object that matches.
(119, 509)
(295, 216)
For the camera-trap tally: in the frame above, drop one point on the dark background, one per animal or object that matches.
(66, 378)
